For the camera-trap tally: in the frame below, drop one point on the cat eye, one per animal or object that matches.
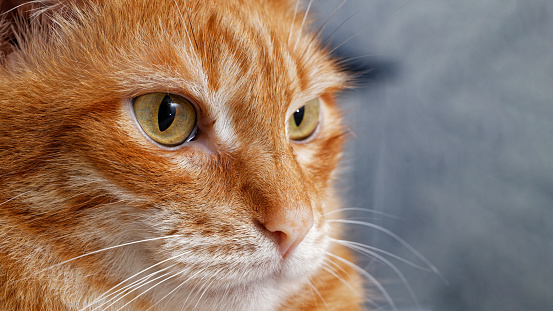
(303, 123)
(168, 119)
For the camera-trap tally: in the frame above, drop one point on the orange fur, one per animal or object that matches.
(78, 175)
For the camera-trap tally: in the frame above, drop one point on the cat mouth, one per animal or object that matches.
(261, 275)
(258, 263)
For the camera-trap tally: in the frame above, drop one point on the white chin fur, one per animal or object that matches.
(264, 288)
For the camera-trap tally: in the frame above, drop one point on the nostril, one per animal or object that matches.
(286, 242)
(280, 236)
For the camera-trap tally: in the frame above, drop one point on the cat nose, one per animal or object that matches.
(289, 228)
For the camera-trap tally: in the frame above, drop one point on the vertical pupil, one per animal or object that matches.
(166, 113)
(298, 115)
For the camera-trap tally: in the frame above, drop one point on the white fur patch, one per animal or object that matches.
(224, 131)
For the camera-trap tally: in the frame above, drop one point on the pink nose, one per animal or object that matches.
(289, 228)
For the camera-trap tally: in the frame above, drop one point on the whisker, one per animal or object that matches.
(293, 20)
(206, 287)
(327, 40)
(192, 30)
(179, 286)
(37, 12)
(322, 28)
(372, 250)
(226, 293)
(329, 263)
(395, 237)
(331, 270)
(114, 247)
(128, 289)
(399, 8)
(389, 264)
(369, 277)
(183, 21)
(15, 197)
(203, 293)
(22, 4)
(96, 252)
(172, 275)
(345, 60)
(172, 292)
(348, 209)
(192, 290)
(345, 41)
(108, 294)
(302, 23)
(316, 291)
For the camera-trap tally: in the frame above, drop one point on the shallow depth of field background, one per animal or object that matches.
(453, 137)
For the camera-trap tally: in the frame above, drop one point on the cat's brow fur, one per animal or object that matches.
(77, 175)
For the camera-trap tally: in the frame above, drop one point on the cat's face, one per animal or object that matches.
(206, 128)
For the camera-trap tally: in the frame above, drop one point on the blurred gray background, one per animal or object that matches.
(452, 127)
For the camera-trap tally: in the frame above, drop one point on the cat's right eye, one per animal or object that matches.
(304, 121)
(168, 119)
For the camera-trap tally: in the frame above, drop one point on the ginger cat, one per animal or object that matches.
(169, 155)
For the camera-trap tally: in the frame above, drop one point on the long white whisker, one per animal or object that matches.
(345, 41)
(389, 264)
(372, 250)
(179, 286)
(345, 60)
(327, 40)
(302, 23)
(226, 293)
(203, 293)
(114, 247)
(108, 292)
(293, 20)
(120, 294)
(322, 28)
(172, 275)
(39, 11)
(395, 237)
(316, 291)
(399, 8)
(96, 252)
(184, 23)
(15, 197)
(369, 277)
(193, 289)
(348, 209)
(331, 270)
(22, 4)
(206, 287)
(328, 264)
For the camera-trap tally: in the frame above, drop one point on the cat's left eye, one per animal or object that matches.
(168, 119)
(303, 123)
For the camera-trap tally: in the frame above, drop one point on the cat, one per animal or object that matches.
(170, 155)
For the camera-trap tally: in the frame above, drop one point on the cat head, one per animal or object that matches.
(201, 135)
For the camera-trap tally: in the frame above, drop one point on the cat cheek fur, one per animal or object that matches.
(94, 214)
